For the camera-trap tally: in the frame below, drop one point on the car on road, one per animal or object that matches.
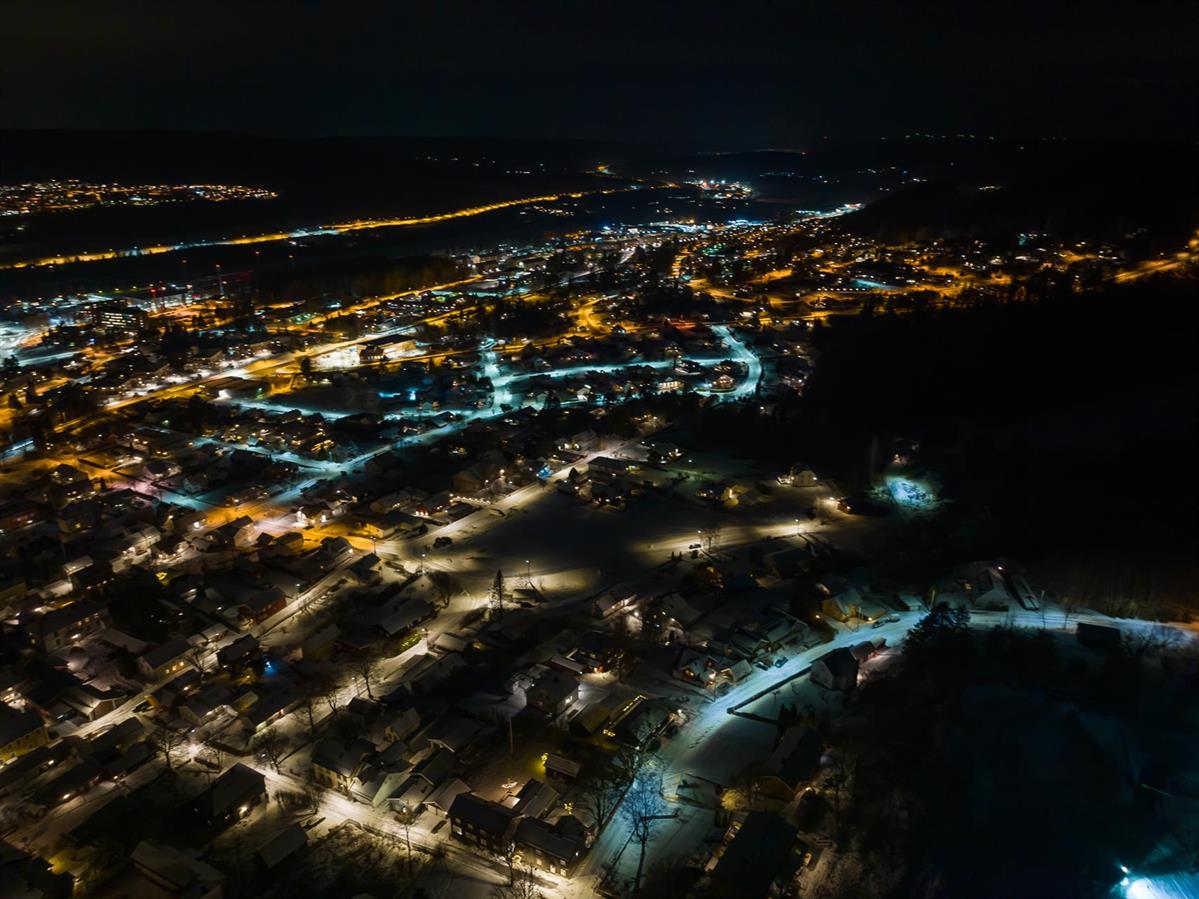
(442, 542)
(879, 623)
(780, 662)
(763, 664)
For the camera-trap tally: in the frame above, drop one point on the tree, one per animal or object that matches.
(331, 693)
(940, 624)
(497, 595)
(711, 537)
(198, 655)
(168, 741)
(511, 853)
(271, 744)
(406, 817)
(521, 885)
(309, 706)
(600, 793)
(642, 809)
(446, 585)
(306, 367)
(368, 670)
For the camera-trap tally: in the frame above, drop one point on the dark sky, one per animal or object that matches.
(734, 73)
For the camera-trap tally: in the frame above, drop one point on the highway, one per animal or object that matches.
(300, 233)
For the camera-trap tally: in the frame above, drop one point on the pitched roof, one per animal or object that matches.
(490, 817)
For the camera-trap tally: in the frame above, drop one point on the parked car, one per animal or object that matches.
(763, 664)
(442, 542)
(780, 662)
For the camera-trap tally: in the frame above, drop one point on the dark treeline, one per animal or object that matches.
(1065, 425)
(1007, 753)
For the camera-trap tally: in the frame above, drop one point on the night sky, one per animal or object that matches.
(713, 73)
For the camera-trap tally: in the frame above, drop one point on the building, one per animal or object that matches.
(842, 605)
(559, 767)
(1099, 636)
(761, 860)
(230, 797)
(792, 765)
(402, 726)
(478, 822)
(554, 693)
(837, 670)
(177, 873)
(24, 876)
(118, 318)
(335, 763)
(20, 732)
(283, 846)
(165, 661)
(70, 624)
(613, 601)
(556, 848)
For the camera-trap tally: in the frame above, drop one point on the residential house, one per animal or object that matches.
(280, 848)
(792, 766)
(836, 670)
(559, 767)
(335, 763)
(20, 732)
(556, 848)
(238, 653)
(24, 876)
(165, 660)
(70, 624)
(230, 797)
(841, 603)
(554, 692)
(176, 872)
(613, 601)
(482, 823)
(763, 857)
(402, 726)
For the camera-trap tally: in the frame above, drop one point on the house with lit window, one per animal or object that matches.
(231, 797)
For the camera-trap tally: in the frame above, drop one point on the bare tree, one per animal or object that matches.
(642, 809)
(271, 744)
(308, 704)
(521, 885)
(446, 587)
(368, 669)
(198, 656)
(510, 854)
(314, 794)
(406, 817)
(599, 795)
(1071, 604)
(330, 691)
(1155, 640)
(168, 741)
